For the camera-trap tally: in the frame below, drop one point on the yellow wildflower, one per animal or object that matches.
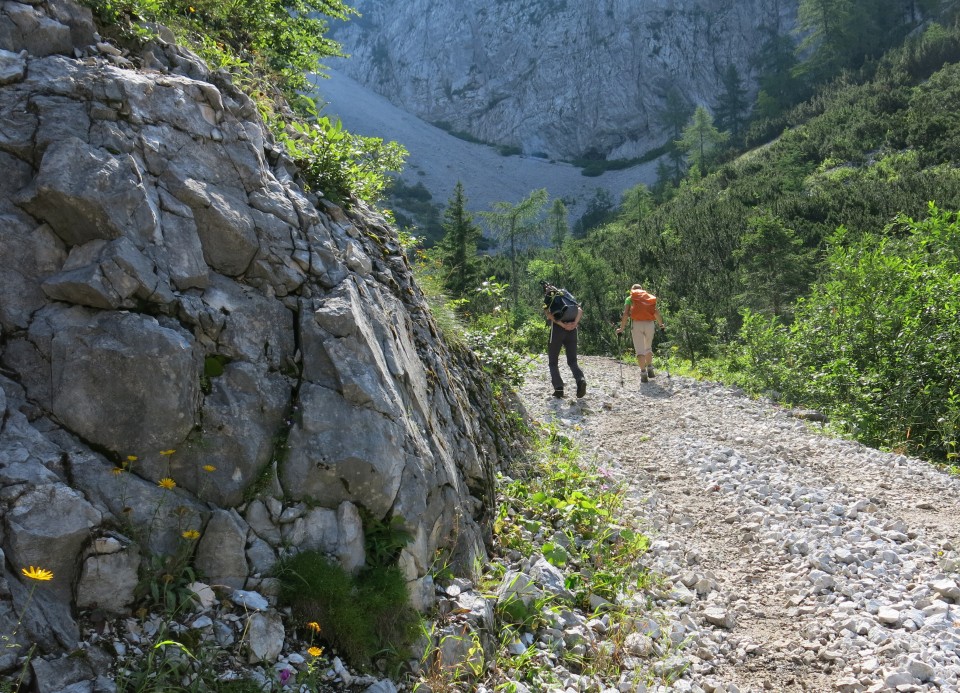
(167, 483)
(167, 452)
(38, 573)
(132, 458)
(315, 651)
(209, 468)
(191, 534)
(314, 626)
(118, 471)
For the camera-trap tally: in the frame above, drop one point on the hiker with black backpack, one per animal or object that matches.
(564, 313)
(641, 308)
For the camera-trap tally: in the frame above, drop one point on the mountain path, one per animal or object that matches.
(711, 473)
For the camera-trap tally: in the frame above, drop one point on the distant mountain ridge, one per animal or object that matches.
(438, 160)
(552, 77)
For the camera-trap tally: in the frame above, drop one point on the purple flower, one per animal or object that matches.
(285, 675)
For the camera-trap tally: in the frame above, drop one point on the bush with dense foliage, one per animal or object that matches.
(877, 342)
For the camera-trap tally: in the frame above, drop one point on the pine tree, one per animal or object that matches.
(514, 224)
(701, 140)
(458, 247)
(732, 103)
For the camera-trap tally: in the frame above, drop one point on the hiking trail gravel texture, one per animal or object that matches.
(793, 561)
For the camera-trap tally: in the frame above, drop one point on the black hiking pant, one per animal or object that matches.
(566, 340)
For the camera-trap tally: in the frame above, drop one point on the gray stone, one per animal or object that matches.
(85, 194)
(108, 275)
(550, 578)
(47, 526)
(23, 27)
(30, 253)
(62, 674)
(350, 538)
(325, 465)
(247, 599)
(221, 553)
(224, 227)
(265, 637)
(260, 556)
(124, 381)
(108, 581)
(947, 588)
(320, 530)
(242, 420)
(13, 67)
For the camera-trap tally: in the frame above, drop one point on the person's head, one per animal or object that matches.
(547, 287)
(635, 286)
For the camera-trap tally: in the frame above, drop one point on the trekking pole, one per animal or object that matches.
(666, 358)
(620, 357)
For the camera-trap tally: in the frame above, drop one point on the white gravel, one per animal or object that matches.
(795, 561)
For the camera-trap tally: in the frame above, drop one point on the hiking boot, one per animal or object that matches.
(581, 388)
(643, 376)
(558, 393)
(650, 372)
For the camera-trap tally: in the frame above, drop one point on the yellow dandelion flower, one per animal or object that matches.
(117, 471)
(314, 626)
(209, 468)
(38, 573)
(167, 483)
(167, 452)
(132, 458)
(315, 651)
(191, 534)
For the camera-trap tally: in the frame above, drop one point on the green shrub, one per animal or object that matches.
(877, 343)
(364, 618)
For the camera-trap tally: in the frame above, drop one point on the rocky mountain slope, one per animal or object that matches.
(193, 347)
(438, 160)
(555, 77)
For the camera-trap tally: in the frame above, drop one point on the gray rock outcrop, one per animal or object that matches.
(193, 347)
(552, 77)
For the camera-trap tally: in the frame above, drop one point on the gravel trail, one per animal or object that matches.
(795, 561)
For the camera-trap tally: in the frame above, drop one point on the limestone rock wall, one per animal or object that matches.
(190, 341)
(556, 77)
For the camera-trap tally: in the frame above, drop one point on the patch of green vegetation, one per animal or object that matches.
(270, 50)
(367, 617)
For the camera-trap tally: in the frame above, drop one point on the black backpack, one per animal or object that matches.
(561, 304)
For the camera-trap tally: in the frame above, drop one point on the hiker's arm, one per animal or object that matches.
(624, 318)
(576, 321)
(658, 317)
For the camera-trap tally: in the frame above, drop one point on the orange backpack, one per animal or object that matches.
(643, 306)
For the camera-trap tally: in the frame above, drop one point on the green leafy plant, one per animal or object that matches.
(338, 162)
(875, 345)
(365, 617)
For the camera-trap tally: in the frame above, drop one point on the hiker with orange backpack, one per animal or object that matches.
(641, 308)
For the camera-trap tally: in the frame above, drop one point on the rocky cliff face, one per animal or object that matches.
(189, 341)
(555, 77)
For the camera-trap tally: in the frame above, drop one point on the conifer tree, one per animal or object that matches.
(732, 103)
(774, 265)
(515, 224)
(700, 141)
(458, 247)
